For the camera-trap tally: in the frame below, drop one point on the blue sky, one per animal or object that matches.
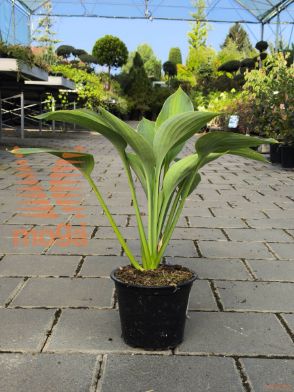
(161, 35)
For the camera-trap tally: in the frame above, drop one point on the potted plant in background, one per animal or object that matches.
(153, 297)
(270, 90)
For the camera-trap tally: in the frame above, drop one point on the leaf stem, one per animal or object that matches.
(146, 255)
(127, 250)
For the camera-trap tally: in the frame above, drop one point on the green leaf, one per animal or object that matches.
(87, 119)
(193, 186)
(140, 146)
(177, 173)
(136, 165)
(146, 128)
(177, 130)
(222, 142)
(177, 103)
(249, 153)
(82, 161)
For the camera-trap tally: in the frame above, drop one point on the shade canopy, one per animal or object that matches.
(246, 11)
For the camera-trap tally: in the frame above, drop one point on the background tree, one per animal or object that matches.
(199, 33)
(44, 35)
(65, 51)
(78, 52)
(240, 37)
(169, 69)
(151, 63)
(138, 88)
(175, 56)
(110, 51)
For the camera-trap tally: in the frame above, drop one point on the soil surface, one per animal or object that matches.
(165, 275)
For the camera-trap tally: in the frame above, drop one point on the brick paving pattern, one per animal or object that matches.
(59, 326)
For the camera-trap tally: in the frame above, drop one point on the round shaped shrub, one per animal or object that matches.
(230, 66)
(261, 46)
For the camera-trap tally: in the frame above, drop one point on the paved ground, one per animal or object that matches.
(59, 327)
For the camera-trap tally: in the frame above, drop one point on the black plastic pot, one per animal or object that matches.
(275, 153)
(287, 156)
(152, 317)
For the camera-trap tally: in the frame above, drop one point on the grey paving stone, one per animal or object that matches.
(277, 214)
(235, 334)
(91, 247)
(260, 235)
(98, 220)
(198, 234)
(196, 211)
(88, 331)
(260, 296)
(173, 374)
(237, 213)
(183, 248)
(214, 269)
(4, 216)
(107, 232)
(273, 223)
(270, 374)
(35, 265)
(216, 222)
(24, 329)
(46, 372)
(182, 222)
(22, 246)
(65, 292)
(7, 287)
(223, 249)
(101, 265)
(284, 251)
(290, 321)
(273, 269)
(32, 219)
(201, 297)
(12, 231)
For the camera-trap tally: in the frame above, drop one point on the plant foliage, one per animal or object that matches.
(150, 157)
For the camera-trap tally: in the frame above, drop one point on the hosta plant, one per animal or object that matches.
(151, 153)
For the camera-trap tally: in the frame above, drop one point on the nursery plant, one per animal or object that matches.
(151, 153)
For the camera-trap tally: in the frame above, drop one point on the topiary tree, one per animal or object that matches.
(230, 66)
(110, 51)
(169, 69)
(261, 46)
(65, 51)
(175, 56)
(88, 58)
(78, 52)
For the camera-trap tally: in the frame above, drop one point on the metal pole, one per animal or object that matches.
(22, 115)
(0, 115)
(262, 32)
(41, 111)
(278, 32)
(53, 110)
(74, 106)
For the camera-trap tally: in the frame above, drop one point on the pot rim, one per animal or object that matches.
(186, 282)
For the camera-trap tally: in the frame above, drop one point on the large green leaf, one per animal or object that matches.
(138, 143)
(87, 119)
(146, 128)
(136, 165)
(222, 142)
(177, 103)
(82, 161)
(249, 153)
(177, 173)
(177, 130)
